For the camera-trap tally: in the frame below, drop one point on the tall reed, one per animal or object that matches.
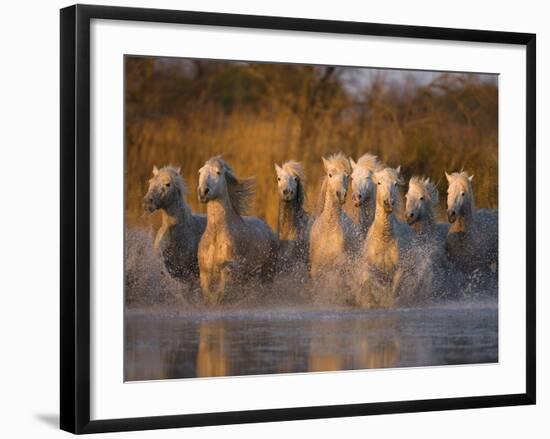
(182, 112)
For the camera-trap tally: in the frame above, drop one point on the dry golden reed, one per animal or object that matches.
(182, 112)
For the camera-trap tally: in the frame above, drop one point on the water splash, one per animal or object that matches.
(425, 278)
(147, 283)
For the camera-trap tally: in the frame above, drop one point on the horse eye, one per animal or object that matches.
(278, 178)
(379, 183)
(462, 193)
(329, 175)
(421, 198)
(295, 178)
(167, 184)
(218, 172)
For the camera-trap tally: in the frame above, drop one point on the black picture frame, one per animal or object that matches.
(75, 217)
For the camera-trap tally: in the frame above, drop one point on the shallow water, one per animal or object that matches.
(285, 340)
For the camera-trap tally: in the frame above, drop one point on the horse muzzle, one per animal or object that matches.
(411, 218)
(203, 194)
(287, 195)
(358, 200)
(341, 195)
(149, 205)
(203, 199)
(451, 216)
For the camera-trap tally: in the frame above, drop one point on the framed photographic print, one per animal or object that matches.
(267, 218)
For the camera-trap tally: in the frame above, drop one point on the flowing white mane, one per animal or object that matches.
(296, 169)
(241, 191)
(369, 162)
(426, 187)
(340, 162)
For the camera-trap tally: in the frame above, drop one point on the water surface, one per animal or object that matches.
(253, 342)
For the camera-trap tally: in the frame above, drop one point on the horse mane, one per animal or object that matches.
(176, 179)
(340, 162)
(240, 190)
(369, 162)
(427, 187)
(322, 196)
(394, 175)
(296, 169)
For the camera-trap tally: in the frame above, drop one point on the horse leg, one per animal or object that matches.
(395, 284)
(316, 270)
(228, 274)
(212, 286)
(219, 292)
(205, 286)
(269, 269)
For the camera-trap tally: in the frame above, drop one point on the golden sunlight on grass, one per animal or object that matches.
(182, 112)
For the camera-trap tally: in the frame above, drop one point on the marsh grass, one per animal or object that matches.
(183, 112)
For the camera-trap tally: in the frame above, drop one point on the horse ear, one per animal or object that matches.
(448, 177)
(325, 163)
(471, 177)
(155, 170)
(278, 168)
(434, 196)
(400, 180)
(352, 163)
(178, 169)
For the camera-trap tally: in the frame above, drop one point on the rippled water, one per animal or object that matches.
(285, 340)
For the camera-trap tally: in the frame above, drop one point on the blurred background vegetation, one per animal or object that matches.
(183, 111)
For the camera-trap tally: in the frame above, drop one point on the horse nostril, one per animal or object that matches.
(206, 191)
(411, 215)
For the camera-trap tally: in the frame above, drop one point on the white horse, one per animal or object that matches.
(364, 190)
(293, 223)
(333, 234)
(386, 245)
(233, 248)
(426, 273)
(472, 241)
(178, 237)
(421, 199)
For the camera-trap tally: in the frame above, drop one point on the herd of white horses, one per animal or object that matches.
(225, 248)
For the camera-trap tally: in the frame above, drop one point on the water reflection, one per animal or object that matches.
(212, 357)
(283, 342)
(354, 344)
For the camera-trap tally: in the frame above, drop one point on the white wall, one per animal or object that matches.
(29, 248)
